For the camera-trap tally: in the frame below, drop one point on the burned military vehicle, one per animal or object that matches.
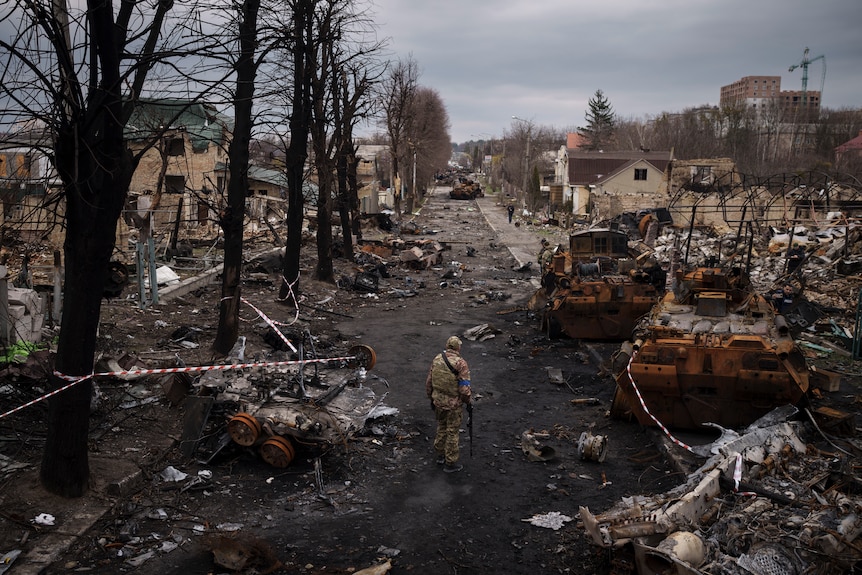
(712, 351)
(278, 411)
(598, 289)
(466, 189)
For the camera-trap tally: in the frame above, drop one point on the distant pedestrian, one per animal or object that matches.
(448, 388)
(511, 210)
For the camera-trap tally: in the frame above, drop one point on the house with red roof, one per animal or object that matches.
(850, 151)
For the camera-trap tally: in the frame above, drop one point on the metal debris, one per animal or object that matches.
(763, 493)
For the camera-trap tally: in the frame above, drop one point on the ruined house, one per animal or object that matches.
(849, 154)
(372, 179)
(606, 184)
(26, 178)
(184, 143)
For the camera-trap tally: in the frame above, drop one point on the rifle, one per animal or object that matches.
(470, 425)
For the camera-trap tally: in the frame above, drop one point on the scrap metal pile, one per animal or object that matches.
(722, 349)
(466, 189)
(826, 283)
(779, 499)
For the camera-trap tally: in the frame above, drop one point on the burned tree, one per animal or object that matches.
(231, 218)
(428, 142)
(300, 51)
(77, 92)
(339, 90)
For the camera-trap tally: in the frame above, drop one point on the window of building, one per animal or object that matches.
(640, 174)
(175, 184)
(600, 245)
(702, 174)
(176, 147)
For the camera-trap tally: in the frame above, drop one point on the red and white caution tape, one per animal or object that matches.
(44, 397)
(644, 407)
(271, 324)
(737, 470)
(75, 379)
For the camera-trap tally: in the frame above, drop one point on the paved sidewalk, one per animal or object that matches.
(523, 240)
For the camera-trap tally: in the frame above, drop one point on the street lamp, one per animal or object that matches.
(527, 154)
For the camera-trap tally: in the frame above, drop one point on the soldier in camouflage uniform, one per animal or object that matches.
(546, 255)
(448, 388)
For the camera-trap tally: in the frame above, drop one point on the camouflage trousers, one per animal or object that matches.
(448, 426)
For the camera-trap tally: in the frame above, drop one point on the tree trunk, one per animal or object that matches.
(96, 167)
(297, 151)
(345, 203)
(324, 271)
(232, 218)
(93, 208)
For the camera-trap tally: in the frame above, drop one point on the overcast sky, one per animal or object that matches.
(541, 60)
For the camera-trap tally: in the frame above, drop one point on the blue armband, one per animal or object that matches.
(464, 382)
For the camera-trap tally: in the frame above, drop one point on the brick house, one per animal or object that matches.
(192, 140)
(850, 152)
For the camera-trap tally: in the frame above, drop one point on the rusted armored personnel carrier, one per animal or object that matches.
(598, 289)
(466, 189)
(713, 350)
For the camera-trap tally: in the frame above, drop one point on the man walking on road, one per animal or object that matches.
(511, 211)
(448, 387)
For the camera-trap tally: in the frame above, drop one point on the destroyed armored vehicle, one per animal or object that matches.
(598, 289)
(712, 351)
(466, 189)
(307, 403)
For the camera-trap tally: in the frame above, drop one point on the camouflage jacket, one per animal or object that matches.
(446, 389)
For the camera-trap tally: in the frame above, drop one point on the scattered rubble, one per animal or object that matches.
(779, 498)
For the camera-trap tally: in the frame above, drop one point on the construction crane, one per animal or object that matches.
(804, 65)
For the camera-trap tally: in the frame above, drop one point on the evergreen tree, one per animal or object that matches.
(601, 123)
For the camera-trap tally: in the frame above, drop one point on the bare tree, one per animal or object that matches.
(339, 91)
(397, 92)
(231, 218)
(300, 50)
(353, 88)
(428, 143)
(524, 148)
(77, 91)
